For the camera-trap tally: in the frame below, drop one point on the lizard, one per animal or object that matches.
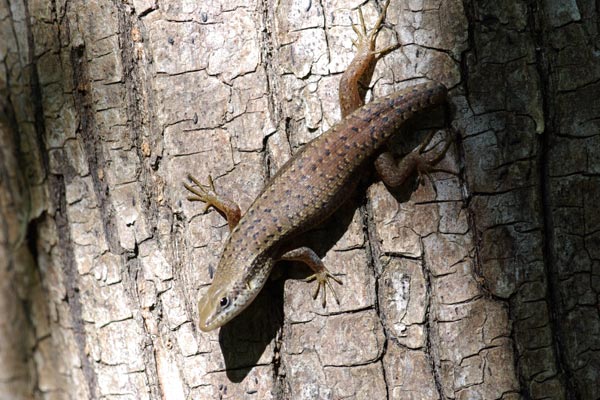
(311, 185)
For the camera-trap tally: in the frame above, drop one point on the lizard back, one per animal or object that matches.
(311, 185)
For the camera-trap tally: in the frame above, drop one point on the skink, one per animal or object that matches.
(310, 187)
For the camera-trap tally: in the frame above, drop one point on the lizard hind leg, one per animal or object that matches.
(366, 40)
(360, 69)
(420, 160)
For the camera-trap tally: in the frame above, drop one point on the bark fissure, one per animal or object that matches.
(542, 65)
(36, 95)
(267, 45)
(375, 265)
(430, 349)
(140, 101)
(69, 269)
(89, 136)
(265, 13)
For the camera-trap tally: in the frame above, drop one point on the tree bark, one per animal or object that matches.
(483, 285)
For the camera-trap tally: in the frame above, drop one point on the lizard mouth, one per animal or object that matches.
(209, 318)
(205, 326)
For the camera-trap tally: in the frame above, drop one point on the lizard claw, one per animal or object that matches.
(366, 39)
(323, 281)
(203, 193)
(426, 164)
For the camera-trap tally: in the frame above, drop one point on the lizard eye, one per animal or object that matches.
(224, 302)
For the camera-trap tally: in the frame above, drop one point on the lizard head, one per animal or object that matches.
(231, 292)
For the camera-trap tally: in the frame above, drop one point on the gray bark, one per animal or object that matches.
(486, 287)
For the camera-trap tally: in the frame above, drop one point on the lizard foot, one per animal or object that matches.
(321, 273)
(203, 193)
(420, 160)
(425, 164)
(208, 195)
(323, 278)
(365, 42)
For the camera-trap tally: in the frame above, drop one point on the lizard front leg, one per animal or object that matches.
(208, 195)
(321, 273)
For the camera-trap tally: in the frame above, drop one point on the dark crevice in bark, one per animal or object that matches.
(89, 136)
(471, 50)
(20, 195)
(470, 61)
(14, 276)
(58, 194)
(35, 288)
(373, 258)
(465, 66)
(21, 276)
(36, 96)
(543, 66)
(71, 282)
(9, 116)
(135, 86)
(266, 16)
(267, 20)
(430, 349)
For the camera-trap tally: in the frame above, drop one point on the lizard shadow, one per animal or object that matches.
(245, 339)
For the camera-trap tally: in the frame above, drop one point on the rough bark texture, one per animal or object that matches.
(485, 288)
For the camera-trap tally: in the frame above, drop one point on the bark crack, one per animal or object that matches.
(535, 11)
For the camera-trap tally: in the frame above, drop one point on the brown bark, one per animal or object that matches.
(485, 288)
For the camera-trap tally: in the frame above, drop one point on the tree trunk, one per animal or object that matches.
(483, 285)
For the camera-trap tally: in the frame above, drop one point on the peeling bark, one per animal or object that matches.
(478, 286)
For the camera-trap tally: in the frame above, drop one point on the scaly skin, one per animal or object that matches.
(304, 192)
